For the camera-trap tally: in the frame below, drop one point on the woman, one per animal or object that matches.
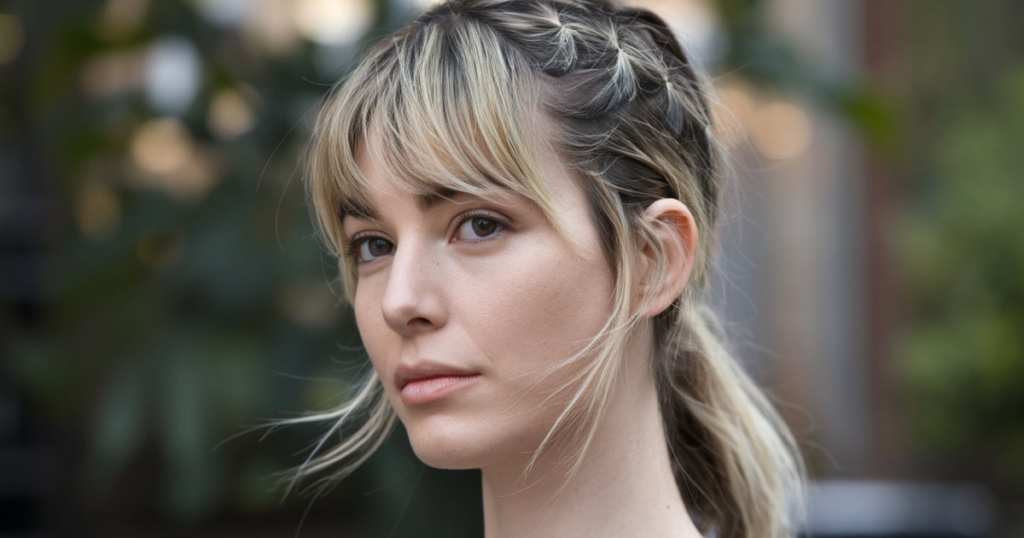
(522, 195)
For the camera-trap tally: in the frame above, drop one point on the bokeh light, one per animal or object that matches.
(780, 130)
(12, 37)
(97, 210)
(172, 75)
(161, 146)
(112, 73)
(270, 28)
(732, 112)
(120, 18)
(167, 159)
(332, 22)
(230, 115)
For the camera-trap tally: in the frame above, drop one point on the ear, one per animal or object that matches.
(676, 232)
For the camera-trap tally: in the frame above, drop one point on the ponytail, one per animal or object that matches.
(736, 463)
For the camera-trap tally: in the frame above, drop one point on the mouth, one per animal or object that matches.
(425, 381)
(424, 391)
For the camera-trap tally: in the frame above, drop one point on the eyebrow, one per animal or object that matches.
(429, 200)
(350, 208)
(424, 202)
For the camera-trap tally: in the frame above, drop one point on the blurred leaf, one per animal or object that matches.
(873, 116)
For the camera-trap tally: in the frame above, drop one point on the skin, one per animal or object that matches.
(505, 301)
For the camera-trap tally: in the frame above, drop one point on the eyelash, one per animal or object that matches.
(475, 214)
(353, 245)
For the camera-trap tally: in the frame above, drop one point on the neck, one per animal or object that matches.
(624, 487)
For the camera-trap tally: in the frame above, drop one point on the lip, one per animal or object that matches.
(427, 381)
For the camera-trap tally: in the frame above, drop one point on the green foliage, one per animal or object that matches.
(963, 354)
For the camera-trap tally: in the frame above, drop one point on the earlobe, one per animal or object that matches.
(675, 230)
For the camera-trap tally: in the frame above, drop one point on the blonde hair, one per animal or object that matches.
(456, 102)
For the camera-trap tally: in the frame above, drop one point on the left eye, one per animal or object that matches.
(479, 228)
(371, 248)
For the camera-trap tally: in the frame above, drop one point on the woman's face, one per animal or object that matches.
(461, 301)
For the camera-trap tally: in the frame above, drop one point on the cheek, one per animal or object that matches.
(373, 330)
(545, 306)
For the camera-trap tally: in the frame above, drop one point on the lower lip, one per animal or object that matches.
(424, 391)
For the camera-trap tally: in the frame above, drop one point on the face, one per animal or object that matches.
(459, 304)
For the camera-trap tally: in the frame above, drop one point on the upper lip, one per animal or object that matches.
(424, 369)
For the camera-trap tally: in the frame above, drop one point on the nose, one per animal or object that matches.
(413, 299)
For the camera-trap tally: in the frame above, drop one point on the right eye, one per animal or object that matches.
(367, 249)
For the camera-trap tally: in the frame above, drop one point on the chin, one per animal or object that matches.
(441, 459)
(442, 444)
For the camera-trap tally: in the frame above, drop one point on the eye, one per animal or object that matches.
(367, 249)
(479, 228)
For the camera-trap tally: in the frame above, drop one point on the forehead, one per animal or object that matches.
(424, 201)
(443, 182)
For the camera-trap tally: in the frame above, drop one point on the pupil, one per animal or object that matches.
(379, 247)
(483, 227)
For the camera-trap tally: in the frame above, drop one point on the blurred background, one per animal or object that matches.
(162, 289)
